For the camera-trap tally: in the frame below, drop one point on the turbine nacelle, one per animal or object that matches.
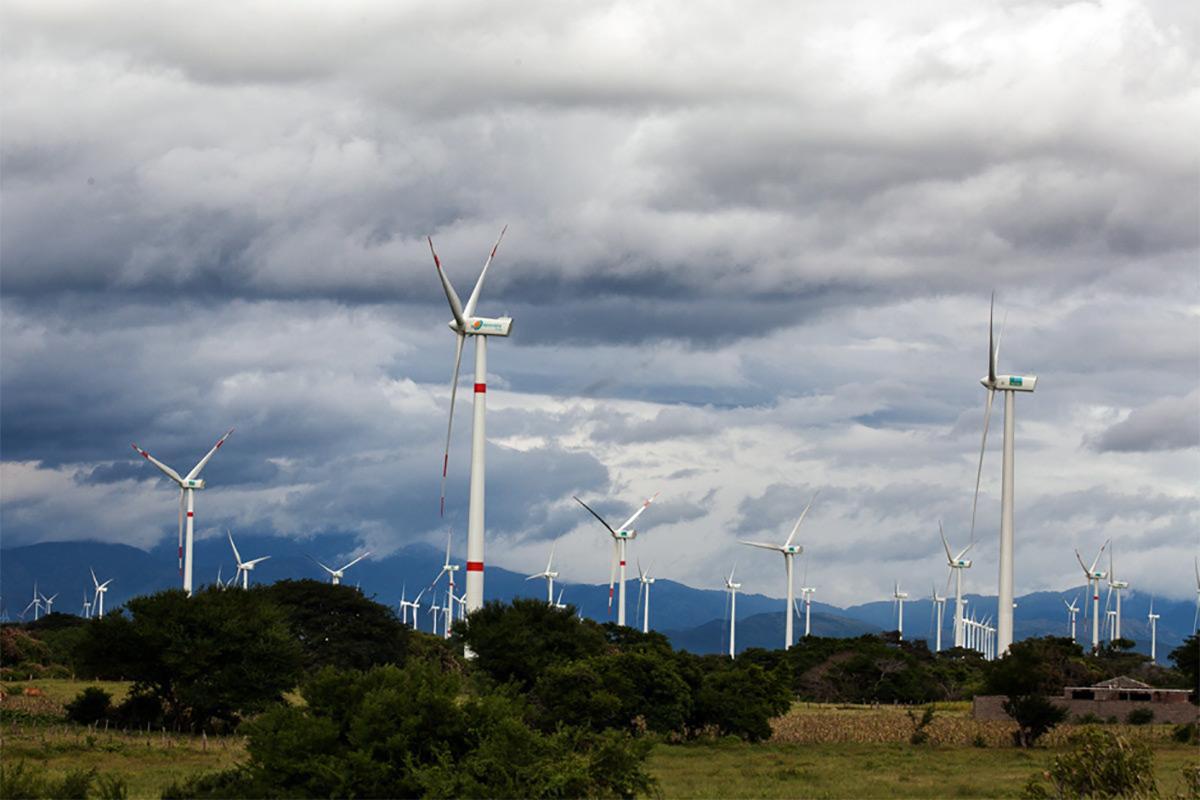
(483, 326)
(624, 534)
(960, 563)
(1119, 584)
(1010, 383)
(191, 483)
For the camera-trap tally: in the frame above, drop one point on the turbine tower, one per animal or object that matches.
(465, 324)
(1072, 610)
(98, 599)
(1115, 586)
(549, 575)
(243, 567)
(939, 611)
(188, 486)
(1153, 632)
(957, 564)
(1196, 620)
(448, 570)
(621, 537)
(336, 575)
(36, 605)
(732, 588)
(1010, 385)
(1094, 577)
(86, 613)
(806, 593)
(898, 598)
(645, 582)
(789, 551)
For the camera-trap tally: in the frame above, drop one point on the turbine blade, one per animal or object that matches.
(1097, 561)
(195, 473)
(802, 515)
(1079, 558)
(170, 473)
(96, 582)
(996, 352)
(597, 516)
(355, 561)
(774, 547)
(451, 296)
(473, 300)
(550, 563)
(991, 342)
(458, 351)
(319, 564)
(965, 550)
(449, 539)
(987, 416)
(646, 504)
(732, 571)
(945, 544)
(612, 574)
(236, 555)
(256, 561)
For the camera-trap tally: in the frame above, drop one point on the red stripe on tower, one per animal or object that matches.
(191, 513)
(622, 563)
(474, 566)
(480, 388)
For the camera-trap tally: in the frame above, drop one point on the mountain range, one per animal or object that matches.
(694, 619)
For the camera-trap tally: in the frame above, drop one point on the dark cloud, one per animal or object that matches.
(1168, 423)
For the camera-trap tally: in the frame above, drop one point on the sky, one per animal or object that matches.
(749, 257)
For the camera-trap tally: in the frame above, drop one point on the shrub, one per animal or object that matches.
(1140, 716)
(741, 701)
(90, 705)
(1187, 733)
(21, 781)
(1090, 718)
(919, 734)
(138, 710)
(1099, 764)
(111, 787)
(1034, 715)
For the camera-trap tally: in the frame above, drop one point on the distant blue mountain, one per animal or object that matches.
(694, 619)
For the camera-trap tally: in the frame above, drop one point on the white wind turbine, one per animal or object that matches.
(1094, 576)
(621, 537)
(87, 607)
(1072, 610)
(789, 551)
(939, 611)
(448, 569)
(1153, 618)
(1010, 385)
(560, 604)
(465, 324)
(806, 593)
(243, 567)
(1115, 586)
(336, 575)
(898, 598)
(1196, 621)
(549, 575)
(644, 583)
(188, 486)
(101, 590)
(732, 588)
(957, 564)
(415, 606)
(36, 605)
(48, 602)
(434, 608)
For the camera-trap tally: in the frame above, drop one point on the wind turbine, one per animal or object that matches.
(49, 603)
(549, 575)
(789, 551)
(621, 537)
(1153, 632)
(434, 608)
(732, 588)
(448, 569)
(898, 598)
(336, 575)
(36, 605)
(1196, 621)
(1010, 385)
(188, 486)
(1094, 577)
(939, 611)
(87, 607)
(1116, 586)
(243, 567)
(957, 564)
(415, 606)
(1072, 610)
(101, 589)
(560, 604)
(465, 324)
(806, 592)
(644, 583)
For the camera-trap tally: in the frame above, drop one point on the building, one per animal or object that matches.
(1115, 697)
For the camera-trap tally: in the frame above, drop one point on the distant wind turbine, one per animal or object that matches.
(243, 567)
(732, 588)
(789, 552)
(621, 537)
(336, 575)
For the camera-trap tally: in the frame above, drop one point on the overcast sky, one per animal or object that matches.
(749, 256)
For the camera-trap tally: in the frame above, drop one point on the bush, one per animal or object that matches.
(1187, 733)
(741, 701)
(414, 733)
(1100, 764)
(89, 706)
(21, 781)
(919, 734)
(1090, 718)
(138, 710)
(1140, 716)
(1034, 715)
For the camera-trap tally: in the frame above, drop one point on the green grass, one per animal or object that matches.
(851, 770)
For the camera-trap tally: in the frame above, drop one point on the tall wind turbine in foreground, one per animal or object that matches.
(957, 564)
(336, 575)
(549, 574)
(101, 589)
(1153, 618)
(188, 486)
(789, 551)
(732, 588)
(1072, 610)
(465, 324)
(620, 537)
(243, 567)
(1010, 385)
(1094, 577)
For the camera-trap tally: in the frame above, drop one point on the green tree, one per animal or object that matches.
(1186, 659)
(518, 642)
(741, 701)
(210, 657)
(336, 626)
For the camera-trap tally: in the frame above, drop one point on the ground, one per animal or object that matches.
(819, 751)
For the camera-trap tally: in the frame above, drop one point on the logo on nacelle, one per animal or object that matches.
(477, 324)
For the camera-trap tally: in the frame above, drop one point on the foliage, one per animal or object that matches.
(520, 641)
(22, 781)
(411, 733)
(920, 735)
(1100, 764)
(337, 626)
(1038, 666)
(741, 701)
(1187, 733)
(18, 647)
(1186, 659)
(1034, 715)
(1140, 716)
(92, 705)
(210, 657)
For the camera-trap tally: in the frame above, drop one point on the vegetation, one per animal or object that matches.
(1186, 659)
(92, 705)
(1099, 764)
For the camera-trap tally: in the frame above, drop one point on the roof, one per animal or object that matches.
(1122, 682)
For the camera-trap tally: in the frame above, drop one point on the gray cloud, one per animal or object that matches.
(1168, 423)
